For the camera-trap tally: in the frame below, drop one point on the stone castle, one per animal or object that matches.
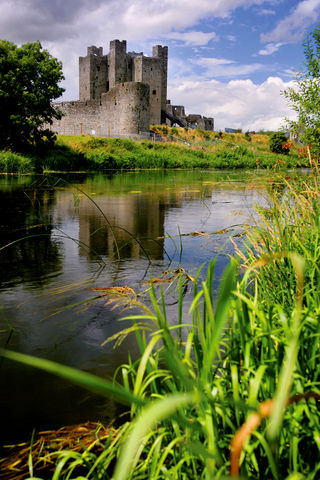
(121, 94)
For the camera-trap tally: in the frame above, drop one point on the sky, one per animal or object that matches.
(228, 59)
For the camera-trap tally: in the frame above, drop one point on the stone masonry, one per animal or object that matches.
(122, 94)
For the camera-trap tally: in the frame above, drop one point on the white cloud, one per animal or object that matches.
(221, 67)
(292, 28)
(58, 20)
(270, 48)
(192, 38)
(206, 62)
(265, 11)
(235, 104)
(179, 14)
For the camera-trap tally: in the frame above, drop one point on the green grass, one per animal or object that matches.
(246, 361)
(186, 149)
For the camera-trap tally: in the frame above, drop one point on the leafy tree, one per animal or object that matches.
(29, 81)
(277, 141)
(305, 98)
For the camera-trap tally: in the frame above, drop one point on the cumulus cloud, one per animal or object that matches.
(236, 104)
(292, 28)
(58, 20)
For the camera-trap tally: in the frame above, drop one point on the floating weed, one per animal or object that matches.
(47, 445)
(124, 296)
(170, 275)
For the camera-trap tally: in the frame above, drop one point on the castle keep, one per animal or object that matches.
(121, 94)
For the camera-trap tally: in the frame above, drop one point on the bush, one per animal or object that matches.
(276, 142)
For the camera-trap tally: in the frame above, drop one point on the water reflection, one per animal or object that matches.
(126, 219)
(72, 230)
(26, 213)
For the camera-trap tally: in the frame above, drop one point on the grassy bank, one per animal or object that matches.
(233, 388)
(179, 148)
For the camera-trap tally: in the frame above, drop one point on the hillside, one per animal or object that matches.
(170, 148)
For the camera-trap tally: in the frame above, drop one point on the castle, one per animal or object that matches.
(121, 94)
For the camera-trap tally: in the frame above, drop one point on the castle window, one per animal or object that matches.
(98, 68)
(154, 92)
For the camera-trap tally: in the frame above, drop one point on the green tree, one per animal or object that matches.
(29, 81)
(305, 97)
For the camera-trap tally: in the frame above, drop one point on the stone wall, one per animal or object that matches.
(123, 110)
(192, 120)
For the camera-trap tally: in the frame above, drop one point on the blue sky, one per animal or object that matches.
(228, 59)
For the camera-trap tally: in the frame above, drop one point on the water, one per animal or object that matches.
(65, 237)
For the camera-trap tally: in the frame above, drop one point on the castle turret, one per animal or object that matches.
(162, 52)
(93, 74)
(118, 69)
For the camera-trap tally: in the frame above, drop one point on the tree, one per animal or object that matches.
(29, 82)
(305, 98)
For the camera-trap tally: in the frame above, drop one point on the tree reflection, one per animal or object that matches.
(29, 253)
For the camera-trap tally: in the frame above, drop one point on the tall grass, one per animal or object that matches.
(14, 163)
(232, 388)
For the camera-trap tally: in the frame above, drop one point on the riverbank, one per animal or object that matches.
(232, 383)
(178, 148)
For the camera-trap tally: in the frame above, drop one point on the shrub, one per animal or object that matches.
(276, 142)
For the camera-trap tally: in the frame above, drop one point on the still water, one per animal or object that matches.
(62, 237)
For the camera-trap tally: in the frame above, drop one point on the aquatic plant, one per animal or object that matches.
(197, 381)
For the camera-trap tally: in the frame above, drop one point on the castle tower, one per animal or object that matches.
(162, 52)
(118, 69)
(93, 74)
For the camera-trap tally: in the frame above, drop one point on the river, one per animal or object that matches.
(64, 237)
